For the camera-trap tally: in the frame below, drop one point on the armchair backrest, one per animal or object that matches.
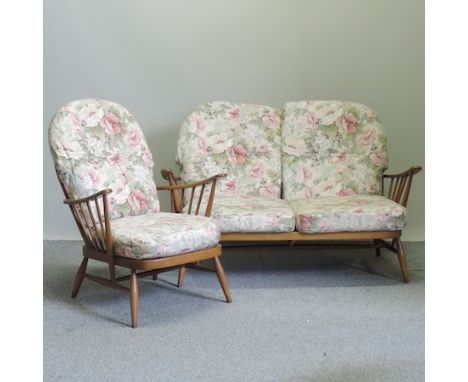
(96, 145)
(241, 140)
(331, 148)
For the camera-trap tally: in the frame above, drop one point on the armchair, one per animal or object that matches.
(104, 167)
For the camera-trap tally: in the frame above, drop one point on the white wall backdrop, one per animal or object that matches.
(162, 58)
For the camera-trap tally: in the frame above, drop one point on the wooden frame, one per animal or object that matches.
(398, 191)
(92, 216)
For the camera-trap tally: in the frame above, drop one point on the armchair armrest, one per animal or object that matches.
(92, 216)
(168, 174)
(178, 190)
(177, 197)
(88, 198)
(400, 185)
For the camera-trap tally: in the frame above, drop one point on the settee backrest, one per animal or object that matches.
(97, 145)
(331, 148)
(241, 140)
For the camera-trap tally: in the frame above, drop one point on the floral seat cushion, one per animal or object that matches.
(97, 145)
(348, 213)
(331, 148)
(161, 234)
(251, 214)
(241, 140)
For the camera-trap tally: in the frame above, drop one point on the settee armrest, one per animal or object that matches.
(92, 217)
(196, 190)
(400, 185)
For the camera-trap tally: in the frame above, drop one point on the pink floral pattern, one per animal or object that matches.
(251, 214)
(96, 145)
(162, 234)
(331, 148)
(348, 213)
(241, 140)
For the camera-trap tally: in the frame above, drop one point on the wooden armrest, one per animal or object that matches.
(168, 174)
(400, 185)
(88, 198)
(182, 186)
(177, 191)
(411, 171)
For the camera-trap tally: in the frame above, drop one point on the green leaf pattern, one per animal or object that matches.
(96, 145)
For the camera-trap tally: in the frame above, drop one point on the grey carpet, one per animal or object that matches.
(297, 315)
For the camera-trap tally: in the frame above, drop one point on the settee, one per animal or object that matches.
(312, 171)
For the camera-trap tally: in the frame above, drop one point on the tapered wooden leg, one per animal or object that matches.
(222, 279)
(180, 281)
(402, 260)
(377, 250)
(79, 277)
(134, 298)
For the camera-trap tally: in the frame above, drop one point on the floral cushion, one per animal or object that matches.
(348, 213)
(241, 140)
(97, 144)
(331, 148)
(251, 214)
(162, 234)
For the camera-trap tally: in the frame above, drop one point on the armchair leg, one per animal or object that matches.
(79, 277)
(134, 298)
(402, 260)
(181, 278)
(222, 279)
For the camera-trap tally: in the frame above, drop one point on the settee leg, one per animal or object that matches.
(181, 278)
(402, 260)
(79, 277)
(222, 279)
(377, 249)
(134, 298)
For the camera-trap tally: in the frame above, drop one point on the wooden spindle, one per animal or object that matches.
(191, 200)
(209, 205)
(200, 197)
(100, 246)
(110, 247)
(101, 224)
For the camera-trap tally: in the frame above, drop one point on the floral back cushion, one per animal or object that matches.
(96, 145)
(331, 148)
(241, 140)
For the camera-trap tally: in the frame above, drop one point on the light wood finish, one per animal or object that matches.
(400, 185)
(222, 279)
(402, 260)
(180, 280)
(200, 267)
(377, 248)
(79, 277)
(197, 266)
(147, 273)
(106, 282)
(134, 298)
(92, 217)
(398, 190)
(196, 190)
(298, 236)
(356, 244)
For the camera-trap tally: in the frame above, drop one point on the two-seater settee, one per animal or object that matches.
(312, 171)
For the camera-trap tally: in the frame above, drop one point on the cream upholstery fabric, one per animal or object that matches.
(331, 148)
(162, 234)
(348, 213)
